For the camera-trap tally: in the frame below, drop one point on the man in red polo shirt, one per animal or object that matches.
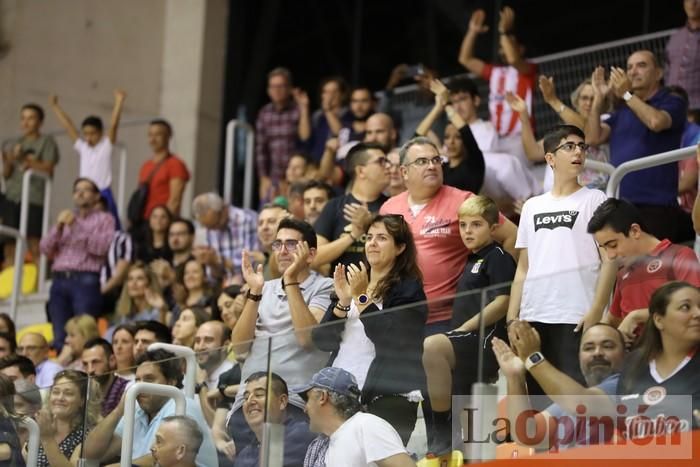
(168, 174)
(647, 263)
(430, 208)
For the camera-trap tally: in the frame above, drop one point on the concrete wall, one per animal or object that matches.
(167, 54)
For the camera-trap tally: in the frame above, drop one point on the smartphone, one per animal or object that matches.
(415, 70)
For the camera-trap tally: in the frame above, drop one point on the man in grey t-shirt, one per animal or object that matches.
(31, 151)
(278, 315)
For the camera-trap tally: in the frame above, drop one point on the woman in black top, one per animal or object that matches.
(10, 449)
(152, 242)
(667, 361)
(383, 350)
(61, 421)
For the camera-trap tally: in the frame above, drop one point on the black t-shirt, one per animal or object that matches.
(331, 224)
(638, 389)
(469, 174)
(490, 266)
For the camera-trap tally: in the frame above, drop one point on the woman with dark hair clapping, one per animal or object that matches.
(383, 350)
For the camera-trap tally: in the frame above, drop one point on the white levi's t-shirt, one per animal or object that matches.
(563, 257)
(361, 441)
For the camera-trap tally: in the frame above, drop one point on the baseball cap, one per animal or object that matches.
(334, 379)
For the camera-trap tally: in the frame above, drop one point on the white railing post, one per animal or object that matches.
(33, 442)
(24, 220)
(645, 163)
(190, 363)
(604, 167)
(130, 413)
(121, 182)
(230, 160)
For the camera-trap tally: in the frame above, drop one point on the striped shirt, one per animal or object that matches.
(683, 58)
(120, 249)
(503, 79)
(238, 234)
(81, 246)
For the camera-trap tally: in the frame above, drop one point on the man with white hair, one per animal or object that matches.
(228, 231)
(177, 442)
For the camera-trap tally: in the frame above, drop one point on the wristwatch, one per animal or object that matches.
(627, 96)
(534, 359)
(362, 299)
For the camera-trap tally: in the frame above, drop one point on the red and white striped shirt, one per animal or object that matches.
(501, 80)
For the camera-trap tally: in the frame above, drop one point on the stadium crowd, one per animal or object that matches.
(363, 210)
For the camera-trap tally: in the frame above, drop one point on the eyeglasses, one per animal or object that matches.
(424, 161)
(289, 245)
(571, 147)
(382, 161)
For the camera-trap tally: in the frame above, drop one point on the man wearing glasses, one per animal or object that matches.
(78, 246)
(430, 208)
(561, 285)
(342, 225)
(277, 319)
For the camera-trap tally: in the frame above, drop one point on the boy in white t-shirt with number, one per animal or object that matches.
(94, 148)
(556, 283)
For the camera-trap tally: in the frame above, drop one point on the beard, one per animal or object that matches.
(597, 371)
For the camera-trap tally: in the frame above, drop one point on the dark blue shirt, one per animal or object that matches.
(321, 132)
(630, 139)
(297, 438)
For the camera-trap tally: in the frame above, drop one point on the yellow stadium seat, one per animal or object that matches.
(44, 329)
(456, 459)
(29, 276)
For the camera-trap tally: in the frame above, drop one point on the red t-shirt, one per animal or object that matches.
(638, 281)
(441, 253)
(159, 188)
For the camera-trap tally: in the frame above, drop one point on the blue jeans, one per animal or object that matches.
(438, 327)
(72, 294)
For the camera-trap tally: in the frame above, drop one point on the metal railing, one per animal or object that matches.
(130, 413)
(21, 237)
(230, 162)
(121, 180)
(645, 163)
(33, 442)
(604, 167)
(190, 363)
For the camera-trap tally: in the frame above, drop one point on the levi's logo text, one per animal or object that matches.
(552, 220)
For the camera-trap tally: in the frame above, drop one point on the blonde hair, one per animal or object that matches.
(482, 206)
(125, 305)
(94, 400)
(85, 325)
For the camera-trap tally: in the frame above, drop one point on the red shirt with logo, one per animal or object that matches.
(636, 282)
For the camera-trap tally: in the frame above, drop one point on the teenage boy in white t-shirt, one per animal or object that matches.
(95, 149)
(560, 263)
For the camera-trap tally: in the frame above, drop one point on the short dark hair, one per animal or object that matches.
(100, 342)
(464, 85)
(92, 121)
(187, 222)
(279, 386)
(9, 338)
(307, 232)
(297, 189)
(281, 71)
(159, 329)
(342, 87)
(311, 184)
(169, 364)
(554, 136)
(36, 108)
(617, 332)
(359, 155)
(617, 214)
(85, 179)
(163, 122)
(25, 365)
(128, 327)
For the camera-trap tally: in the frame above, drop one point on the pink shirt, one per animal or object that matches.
(441, 253)
(81, 246)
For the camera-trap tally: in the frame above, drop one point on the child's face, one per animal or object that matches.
(475, 232)
(91, 135)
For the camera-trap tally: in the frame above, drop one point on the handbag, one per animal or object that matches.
(137, 200)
